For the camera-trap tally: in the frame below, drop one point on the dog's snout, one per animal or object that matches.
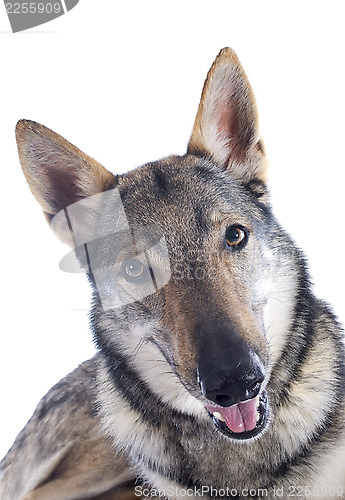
(227, 385)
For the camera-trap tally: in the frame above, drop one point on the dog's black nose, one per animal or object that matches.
(231, 383)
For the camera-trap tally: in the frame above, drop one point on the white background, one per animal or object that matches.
(122, 81)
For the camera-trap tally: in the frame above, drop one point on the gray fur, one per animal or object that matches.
(135, 416)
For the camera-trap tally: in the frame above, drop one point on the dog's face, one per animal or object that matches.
(183, 286)
(208, 318)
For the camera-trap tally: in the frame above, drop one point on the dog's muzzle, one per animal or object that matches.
(237, 404)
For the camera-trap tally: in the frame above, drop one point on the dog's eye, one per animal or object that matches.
(133, 269)
(235, 236)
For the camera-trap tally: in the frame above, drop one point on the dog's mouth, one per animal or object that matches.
(242, 420)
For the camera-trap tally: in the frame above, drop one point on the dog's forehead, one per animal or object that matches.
(183, 190)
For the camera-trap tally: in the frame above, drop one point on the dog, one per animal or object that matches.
(218, 372)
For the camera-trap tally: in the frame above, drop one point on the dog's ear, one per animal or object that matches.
(226, 125)
(58, 173)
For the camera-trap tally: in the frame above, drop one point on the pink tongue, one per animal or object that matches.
(239, 417)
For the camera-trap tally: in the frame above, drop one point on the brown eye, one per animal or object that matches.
(133, 269)
(235, 236)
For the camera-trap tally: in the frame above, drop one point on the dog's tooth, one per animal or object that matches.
(257, 416)
(257, 401)
(219, 416)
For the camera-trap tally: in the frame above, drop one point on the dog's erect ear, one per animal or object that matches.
(226, 125)
(58, 173)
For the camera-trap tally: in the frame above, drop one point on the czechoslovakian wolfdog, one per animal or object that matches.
(218, 372)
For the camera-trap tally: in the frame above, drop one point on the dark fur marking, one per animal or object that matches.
(66, 391)
(260, 146)
(205, 173)
(132, 388)
(48, 405)
(294, 354)
(162, 185)
(200, 219)
(256, 187)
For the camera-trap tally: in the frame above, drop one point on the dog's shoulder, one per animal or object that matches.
(60, 441)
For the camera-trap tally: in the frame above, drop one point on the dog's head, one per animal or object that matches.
(179, 253)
